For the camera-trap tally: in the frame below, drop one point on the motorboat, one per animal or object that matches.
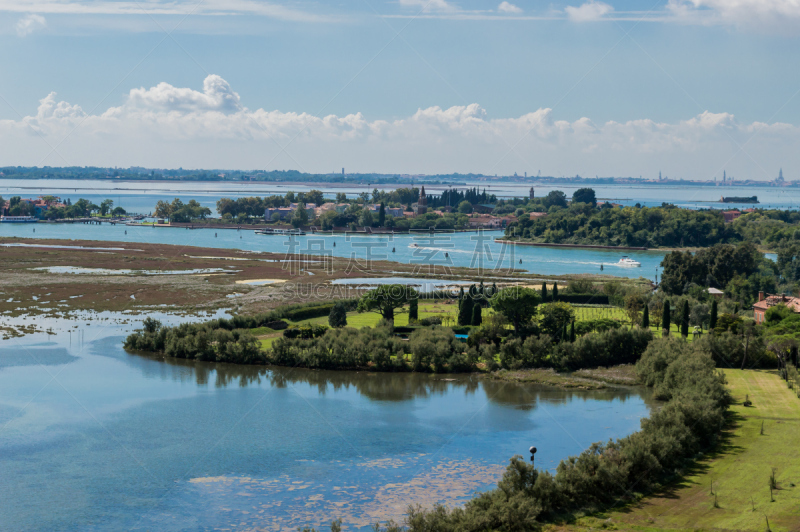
(627, 261)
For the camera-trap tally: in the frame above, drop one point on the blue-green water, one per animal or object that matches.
(94, 438)
(441, 251)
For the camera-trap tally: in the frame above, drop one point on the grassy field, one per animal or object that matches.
(739, 471)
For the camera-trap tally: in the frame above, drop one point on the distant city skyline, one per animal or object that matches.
(690, 87)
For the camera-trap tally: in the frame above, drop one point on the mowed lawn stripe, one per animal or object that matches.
(739, 469)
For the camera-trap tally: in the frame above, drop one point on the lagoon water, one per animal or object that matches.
(464, 249)
(442, 251)
(141, 196)
(95, 438)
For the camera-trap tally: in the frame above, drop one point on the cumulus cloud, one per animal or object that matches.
(30, 23)
(217, 96)
(592, 10)
(168, 126)
(506, 7)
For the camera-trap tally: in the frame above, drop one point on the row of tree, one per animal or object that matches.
(691, 420)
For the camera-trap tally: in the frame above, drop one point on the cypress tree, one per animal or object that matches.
(555, 292)
(646, 317)
(477, 317)
(494, 288)
(382, 215)
(712, 319)
(572, 331)
(338, 316)
(413, 310)
(544, 292)
(685, 319)
(465, 312)
(460, 299)
(665, 319)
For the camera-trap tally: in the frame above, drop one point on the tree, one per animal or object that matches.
(633, 305)
(300, 216)
(555, 198)
(712, 320)
(685, 319)
(465, 207)
(118, 211)
(465, 309)
(555, 317)
(544, 291)
(338, 316)
(665, 319)
(341, 197)
(555, 291)
(518, 305)
(2, 204)
(163, 209)
(105, 206)
(314, 196)
(413, 310)
(477, 317)
(386, 299)
(646, 317)
(382, 215)
(572, 331)
(584, 195)
(365, 220)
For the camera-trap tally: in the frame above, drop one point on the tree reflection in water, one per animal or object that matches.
(377, 386)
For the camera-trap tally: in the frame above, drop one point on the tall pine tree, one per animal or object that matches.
(665, 319)
(555, 292)
(646, 317)
(544, 291)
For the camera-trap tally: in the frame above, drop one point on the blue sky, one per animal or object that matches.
(691, 87)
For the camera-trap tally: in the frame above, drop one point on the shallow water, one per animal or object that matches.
(429, 254)
(95, 438)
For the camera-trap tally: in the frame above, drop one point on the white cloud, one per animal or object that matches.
(160, 7)
(591, 10)
(29, 23)
(427, 6)
(771, 15)
(167, 126)
(506, 7)
(217, 96)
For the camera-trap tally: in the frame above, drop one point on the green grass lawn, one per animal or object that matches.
(739, 469)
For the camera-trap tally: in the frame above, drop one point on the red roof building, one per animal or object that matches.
(765, 303)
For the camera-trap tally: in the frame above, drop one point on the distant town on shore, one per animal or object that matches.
(137, 173)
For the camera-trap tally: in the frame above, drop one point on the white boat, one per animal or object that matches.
(626, 261)
(282, 232)
(19, 219)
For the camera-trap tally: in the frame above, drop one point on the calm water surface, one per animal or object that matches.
(140, 196)
(94, 438)
(441, 251)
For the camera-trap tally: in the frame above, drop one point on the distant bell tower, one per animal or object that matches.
(531, 195)
(422, 204)
(780, 176)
